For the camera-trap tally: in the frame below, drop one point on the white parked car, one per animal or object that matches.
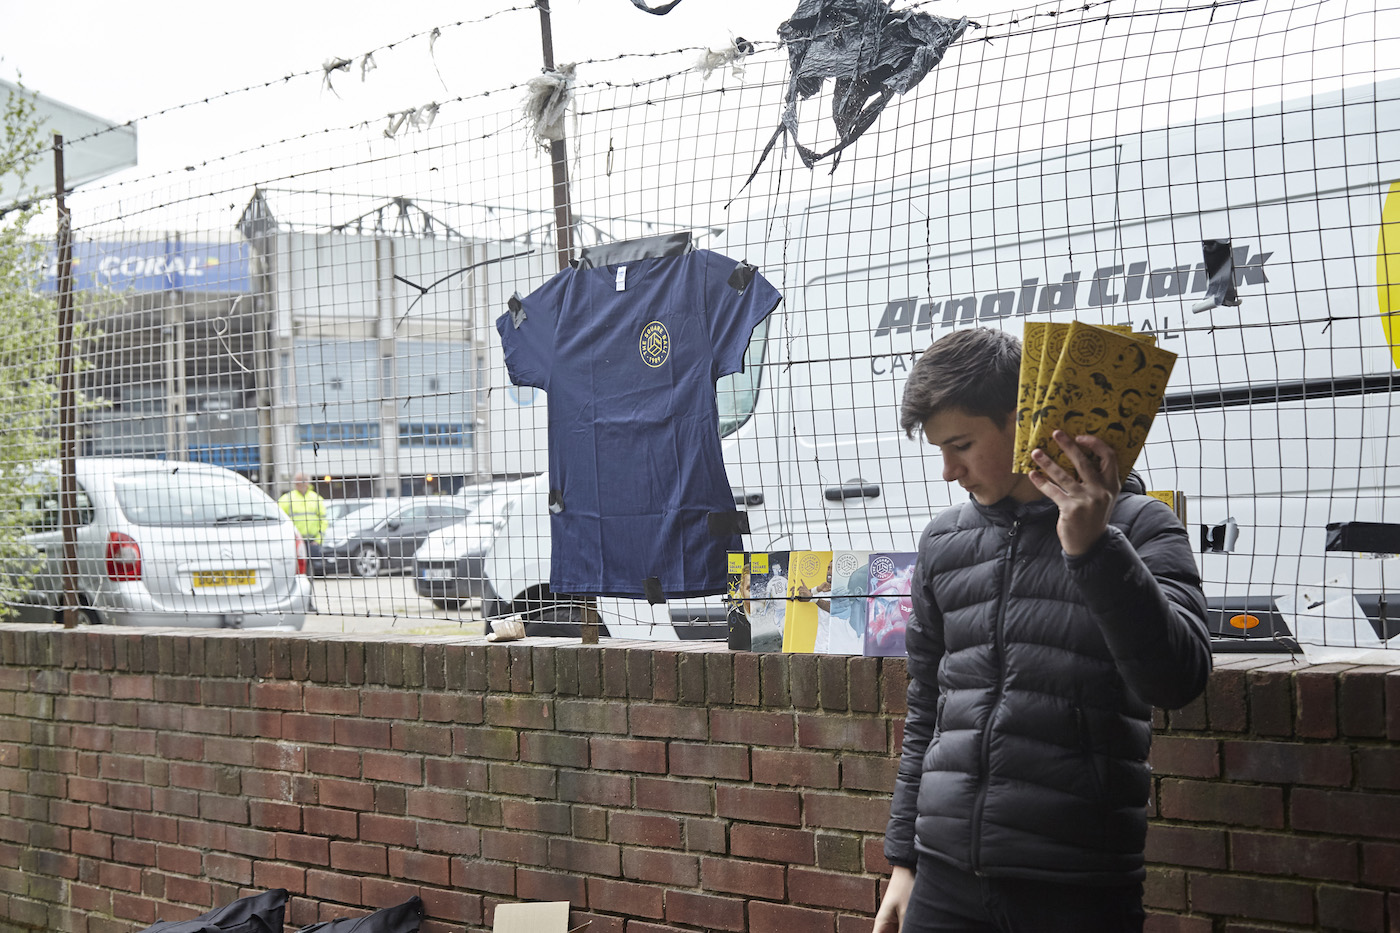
(449, 566)
(166, 543)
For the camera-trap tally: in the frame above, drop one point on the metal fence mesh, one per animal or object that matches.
(326, 305)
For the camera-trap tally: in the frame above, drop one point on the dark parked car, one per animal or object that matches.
(339, 508)
(383, 536)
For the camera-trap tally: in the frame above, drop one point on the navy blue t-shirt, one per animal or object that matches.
(635, 462)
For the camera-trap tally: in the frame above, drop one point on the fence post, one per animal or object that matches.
(563, 223)
(558, 155)
(67, 407)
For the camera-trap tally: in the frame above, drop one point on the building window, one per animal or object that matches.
(340, 434)
(435, 435)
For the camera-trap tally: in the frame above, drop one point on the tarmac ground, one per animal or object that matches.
(385, 604)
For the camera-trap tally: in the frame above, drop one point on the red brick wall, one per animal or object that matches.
(658, 788)
(1277, 802)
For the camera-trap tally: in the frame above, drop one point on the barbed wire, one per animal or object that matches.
(1055, 15)
(464, 98)
(320, 70)
(761, 46)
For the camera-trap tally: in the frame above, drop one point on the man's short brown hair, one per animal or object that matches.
(975, 371)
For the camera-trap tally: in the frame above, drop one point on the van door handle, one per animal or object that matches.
(753, 498)
(853, 489)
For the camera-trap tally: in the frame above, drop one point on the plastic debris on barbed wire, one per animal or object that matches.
(547, 101)
(329, 67)
(712, 60)
(416, 118)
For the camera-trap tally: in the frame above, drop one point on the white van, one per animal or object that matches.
(1278, 420)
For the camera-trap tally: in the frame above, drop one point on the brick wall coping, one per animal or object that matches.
(32, 637)
(1330, 660)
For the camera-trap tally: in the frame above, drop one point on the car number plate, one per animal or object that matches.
(204, 578)
(437, 573)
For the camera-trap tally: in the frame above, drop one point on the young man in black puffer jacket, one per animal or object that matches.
(1051, 613)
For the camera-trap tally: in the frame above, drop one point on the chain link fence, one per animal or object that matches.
(325, 308)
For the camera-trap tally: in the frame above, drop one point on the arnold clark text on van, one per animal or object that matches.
(1109, 285)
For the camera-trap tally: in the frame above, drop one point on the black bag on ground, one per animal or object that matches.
(403, 918)
(257, 913)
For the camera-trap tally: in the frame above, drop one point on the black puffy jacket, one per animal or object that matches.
(1032, 677)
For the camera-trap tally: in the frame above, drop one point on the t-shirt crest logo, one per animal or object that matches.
(655, 344)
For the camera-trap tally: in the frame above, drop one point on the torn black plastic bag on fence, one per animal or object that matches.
(1220, 272)
(871, 50)
(661, 10)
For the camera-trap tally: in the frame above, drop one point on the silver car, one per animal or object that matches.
(166, 543)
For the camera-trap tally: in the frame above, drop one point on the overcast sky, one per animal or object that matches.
(128, 60)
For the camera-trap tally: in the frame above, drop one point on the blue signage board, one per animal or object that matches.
(153, 266)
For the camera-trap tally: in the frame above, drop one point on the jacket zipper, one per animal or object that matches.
(998, 635)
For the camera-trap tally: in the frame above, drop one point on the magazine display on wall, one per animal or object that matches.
(821, 602)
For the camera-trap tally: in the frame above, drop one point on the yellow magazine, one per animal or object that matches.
(1032, 348)
(1108, 384)
(1046, 348)
(1049, 355)
(809, 577)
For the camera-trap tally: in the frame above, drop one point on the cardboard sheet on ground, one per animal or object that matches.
(543, 917)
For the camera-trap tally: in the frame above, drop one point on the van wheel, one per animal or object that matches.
(366, 562)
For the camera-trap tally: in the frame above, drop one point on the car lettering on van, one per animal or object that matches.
(1109, 285)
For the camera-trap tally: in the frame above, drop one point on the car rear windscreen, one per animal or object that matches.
(192, 499)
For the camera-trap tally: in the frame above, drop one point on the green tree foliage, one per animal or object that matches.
(28, 353)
